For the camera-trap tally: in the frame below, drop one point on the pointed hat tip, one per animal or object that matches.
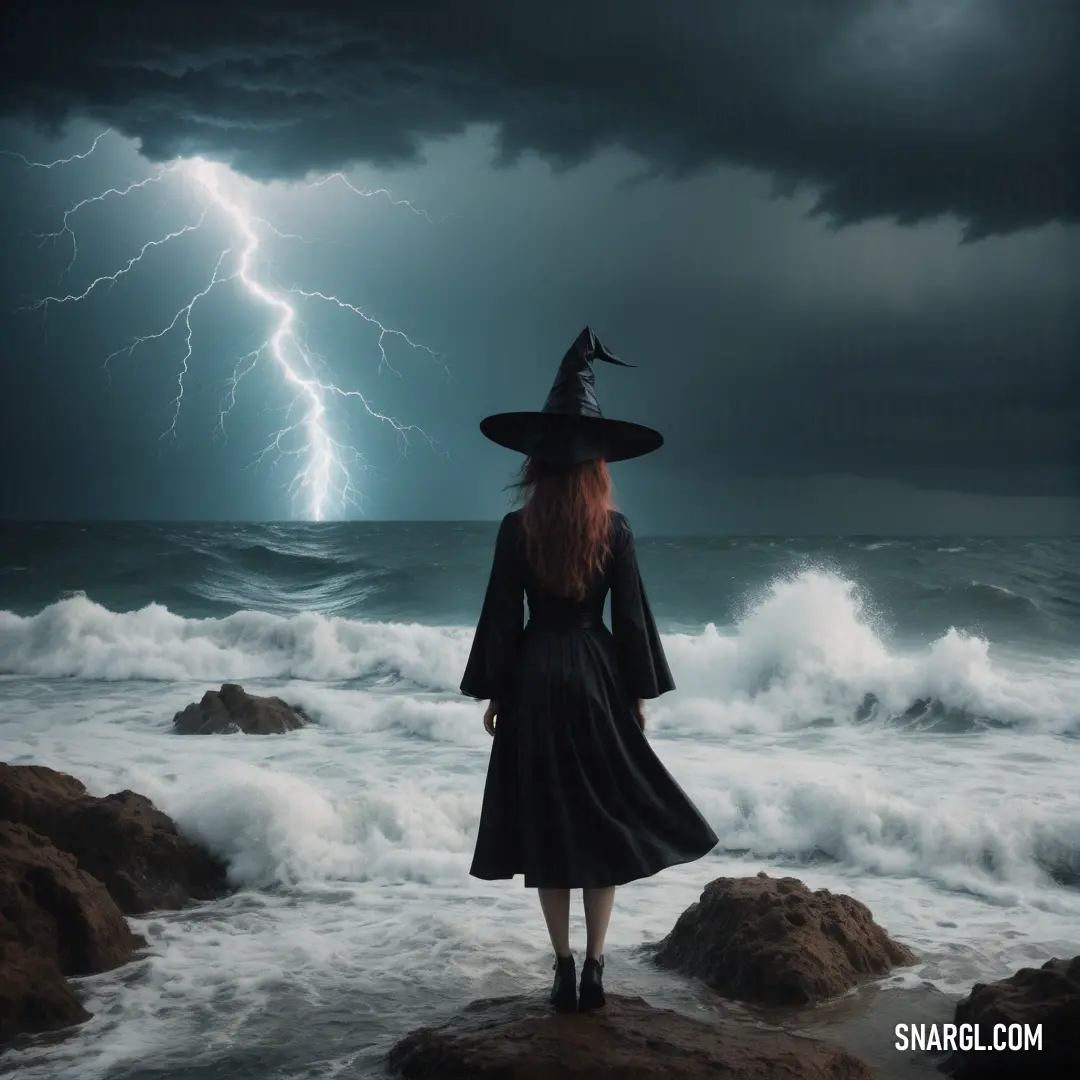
(595, 349)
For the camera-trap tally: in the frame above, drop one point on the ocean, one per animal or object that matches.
(894, 718)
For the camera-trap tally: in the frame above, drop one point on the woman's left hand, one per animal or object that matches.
(490, 715)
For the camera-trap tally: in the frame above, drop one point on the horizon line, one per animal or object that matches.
(718, 534)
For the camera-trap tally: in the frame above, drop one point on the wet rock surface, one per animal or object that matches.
(121, 839)
(232, 710)
(1048, 995)
(71, 866)
(520, 1038)
(56, 920)
(773, 941)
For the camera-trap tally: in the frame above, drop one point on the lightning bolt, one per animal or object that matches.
(323, 478)
(59, 161)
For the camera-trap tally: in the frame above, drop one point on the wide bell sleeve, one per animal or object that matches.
(490, 670)
(642, 663)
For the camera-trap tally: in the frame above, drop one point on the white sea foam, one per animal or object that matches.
(351, 839)
(275, 827)
(806, 651)
(841, 804)
(77, 637)
(387, 787)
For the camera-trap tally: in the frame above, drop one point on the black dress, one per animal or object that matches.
(575, 796)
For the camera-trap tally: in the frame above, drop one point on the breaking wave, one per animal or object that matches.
(806, 652)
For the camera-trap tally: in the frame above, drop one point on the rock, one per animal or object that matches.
(123, 840)
(522, 1039)
(34, 996)
(53, 907)
(71, 865)
(772, 941)
(1050, 996)
(55, 920)
(233, 710)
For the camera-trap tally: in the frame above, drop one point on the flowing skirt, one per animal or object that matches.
(575, 797)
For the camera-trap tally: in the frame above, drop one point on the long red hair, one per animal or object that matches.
(566, 522)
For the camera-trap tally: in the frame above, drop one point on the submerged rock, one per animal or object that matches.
(123, 839)
(1049, 996)
(232, 710)
(520, 1038)
(56, 920)
(772, 941)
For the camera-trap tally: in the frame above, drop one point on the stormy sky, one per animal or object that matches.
(839, 240)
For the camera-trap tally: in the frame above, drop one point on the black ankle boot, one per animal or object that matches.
(591, 995)
(563, 991)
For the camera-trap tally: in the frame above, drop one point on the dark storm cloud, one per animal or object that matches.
(969, 399)
(908, 110)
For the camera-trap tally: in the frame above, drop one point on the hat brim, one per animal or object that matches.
(567, 439)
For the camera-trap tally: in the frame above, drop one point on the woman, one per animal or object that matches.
(575, 796)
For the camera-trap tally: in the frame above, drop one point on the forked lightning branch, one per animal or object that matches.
(322, 479)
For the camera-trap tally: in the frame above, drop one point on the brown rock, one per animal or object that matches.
(122, 839)
(522, 1039)
(1049, 996)
(233, 710)
(55, 920)
(34, 996)
(773, 941)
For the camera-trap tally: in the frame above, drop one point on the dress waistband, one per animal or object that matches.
(580, 620)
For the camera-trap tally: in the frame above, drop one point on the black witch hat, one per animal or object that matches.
(570, 427)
